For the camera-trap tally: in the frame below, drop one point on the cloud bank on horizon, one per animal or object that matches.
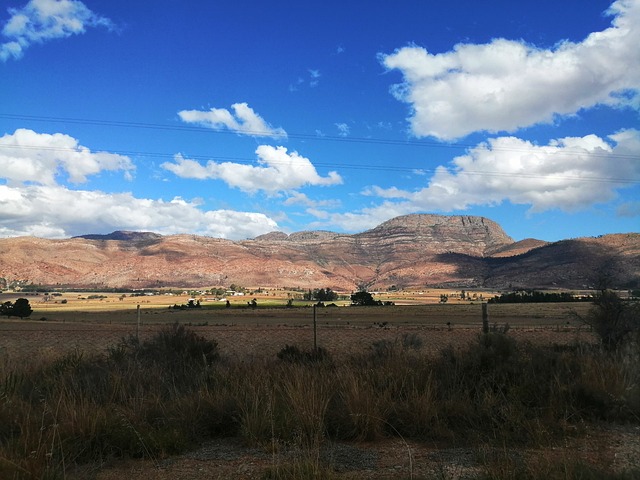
(509, 100)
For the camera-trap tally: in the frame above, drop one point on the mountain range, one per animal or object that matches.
(419, 250)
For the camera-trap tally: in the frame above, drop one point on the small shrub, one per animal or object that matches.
(613, 319)
(411, 341)
(306, 394)
(174, 346)
(290, 353)
(358, 410)
(381, 349)
(174, 359)
(254, 399)
(494, 353)
(293, 354)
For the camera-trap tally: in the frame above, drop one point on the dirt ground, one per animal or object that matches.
(616, 448)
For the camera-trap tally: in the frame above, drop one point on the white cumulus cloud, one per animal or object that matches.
(58, 212)
(277, 171)
(28, 156)
(569, 174)
(506, 85)
(33, 200)
(42, 20)
(243, 120)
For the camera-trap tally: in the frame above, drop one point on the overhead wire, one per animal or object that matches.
(270, 134)
(275, 135)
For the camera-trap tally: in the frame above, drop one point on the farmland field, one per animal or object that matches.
(93, 322)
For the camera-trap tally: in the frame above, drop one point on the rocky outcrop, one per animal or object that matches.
(407, 251)
(124, 235)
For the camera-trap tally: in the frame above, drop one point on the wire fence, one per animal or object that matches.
(252, 334)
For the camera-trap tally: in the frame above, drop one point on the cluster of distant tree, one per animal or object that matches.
(190, 304)
(321, 295)
(364, 298)
(19, 308)
(534, 296)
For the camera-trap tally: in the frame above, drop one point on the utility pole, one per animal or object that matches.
(485, 318)
(315, 331)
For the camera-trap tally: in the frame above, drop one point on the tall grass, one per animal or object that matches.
(161, 397)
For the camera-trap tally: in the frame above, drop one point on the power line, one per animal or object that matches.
(210, 130)
(343, 166)
(269, 134)
(369, 167)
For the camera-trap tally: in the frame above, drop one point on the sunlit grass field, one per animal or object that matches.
(421, 308)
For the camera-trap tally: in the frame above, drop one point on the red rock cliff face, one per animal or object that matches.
(398, 252)
(408, 251)
(437, 234)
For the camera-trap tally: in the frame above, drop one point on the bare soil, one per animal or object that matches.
(611, 447)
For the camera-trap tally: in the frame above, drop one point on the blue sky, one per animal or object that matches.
(234, 119)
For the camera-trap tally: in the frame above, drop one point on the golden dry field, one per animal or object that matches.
(92, 322)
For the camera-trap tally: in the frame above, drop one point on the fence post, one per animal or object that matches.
(485, 318)
(315, 330)
(138, 323)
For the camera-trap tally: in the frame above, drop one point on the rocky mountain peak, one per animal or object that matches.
(123, 235)
(463, 224)
(272, 237)
(457, 233)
